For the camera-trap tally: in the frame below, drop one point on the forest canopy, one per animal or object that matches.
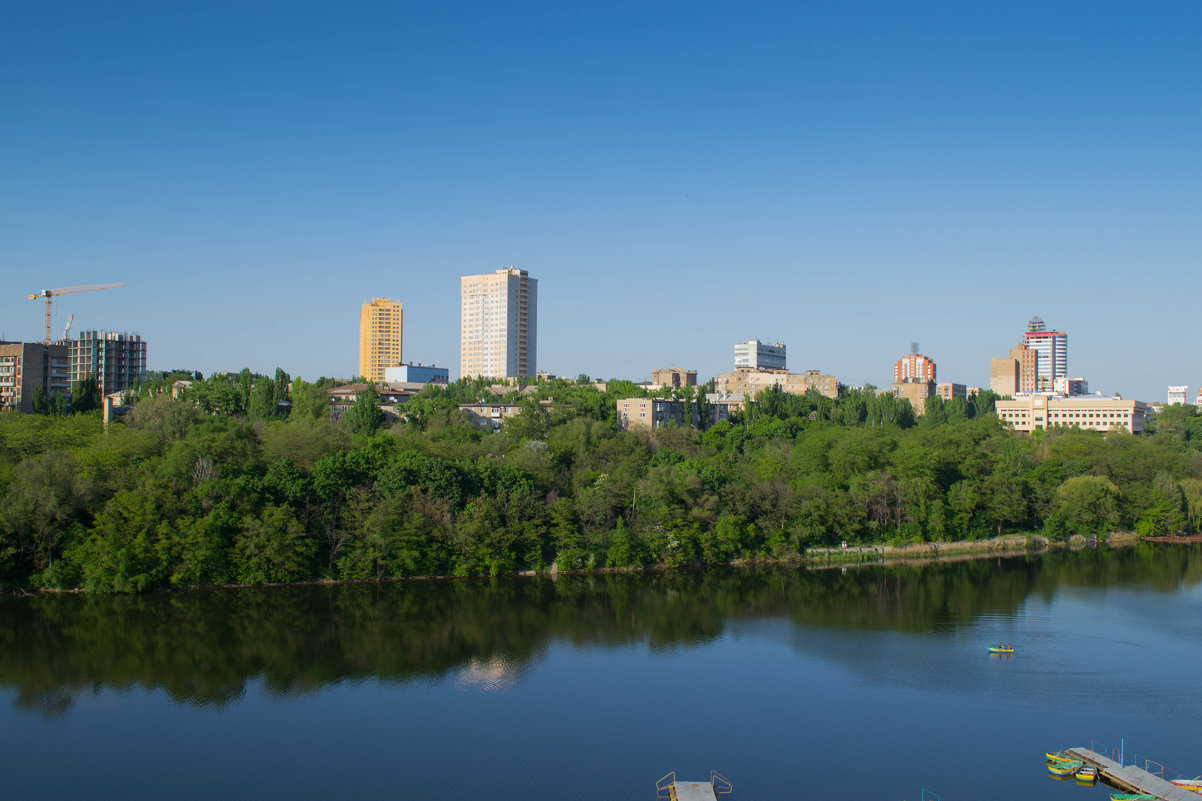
(245, 479)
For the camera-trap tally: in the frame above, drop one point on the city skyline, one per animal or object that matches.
(844, 179)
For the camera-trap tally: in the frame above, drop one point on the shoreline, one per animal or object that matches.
(915, 554)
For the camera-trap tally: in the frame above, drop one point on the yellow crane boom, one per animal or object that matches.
(50, 294)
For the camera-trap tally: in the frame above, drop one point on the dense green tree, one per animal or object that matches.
(364, 417)
(1087, 505)
(85, 395)
(263, 402)
(1164, 510)
(271, 547)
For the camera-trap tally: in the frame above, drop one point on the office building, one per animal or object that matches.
(674, 377)
(1052, 347)
(116, 360)
(380, 330)
(1093, 412)
(1177, 394)
(1069, 387)
(417, 374)
(752, 382)
(27, 366)
(1015, 373)
(756, 355)
(498, 325)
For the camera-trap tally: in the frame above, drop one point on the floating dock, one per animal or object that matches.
(1131, 779)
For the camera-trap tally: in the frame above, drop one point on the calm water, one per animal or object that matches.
(871, 683)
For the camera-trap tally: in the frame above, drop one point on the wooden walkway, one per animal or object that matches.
(1131, 779)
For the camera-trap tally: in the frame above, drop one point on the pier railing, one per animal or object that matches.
(1137, 760)
(1158, 769)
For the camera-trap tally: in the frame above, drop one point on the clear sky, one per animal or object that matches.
(846, 177)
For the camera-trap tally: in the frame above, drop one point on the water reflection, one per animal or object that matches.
(496, 674)
(204, 647)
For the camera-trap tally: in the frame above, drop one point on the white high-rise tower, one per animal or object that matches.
(498, 324)
(1052, 350)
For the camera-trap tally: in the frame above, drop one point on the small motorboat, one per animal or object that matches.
(1193, 785)
(1001, 648)
(1059, 756)
(1066, 768)
(1086, 775)
(1132, 797)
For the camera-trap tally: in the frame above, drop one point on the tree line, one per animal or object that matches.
(245, 479)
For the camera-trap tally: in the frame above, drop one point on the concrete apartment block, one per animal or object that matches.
(949, 391)
(751, 382)
(675, 377)
(1094, 412)
(490, 415)
(1177, 394)
(652, 413)
(25, 366)
(722, 407)
(916, 392)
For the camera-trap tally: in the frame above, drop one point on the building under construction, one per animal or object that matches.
(116, 361)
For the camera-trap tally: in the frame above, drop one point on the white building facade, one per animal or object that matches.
(756, 355)
(1178, 395)
(1093, 412)
(498, 324)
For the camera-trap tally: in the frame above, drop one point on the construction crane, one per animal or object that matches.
(67, 327)
(50, 294)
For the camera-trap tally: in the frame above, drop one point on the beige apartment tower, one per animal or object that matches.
(498, 324)
(380, 323)
(1017, 372)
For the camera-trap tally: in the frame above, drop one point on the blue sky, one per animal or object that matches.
(846, 177)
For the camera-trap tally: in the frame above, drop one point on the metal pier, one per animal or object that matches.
(670, 789)
(1131, 779)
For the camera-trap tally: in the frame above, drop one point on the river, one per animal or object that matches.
(868, 683)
